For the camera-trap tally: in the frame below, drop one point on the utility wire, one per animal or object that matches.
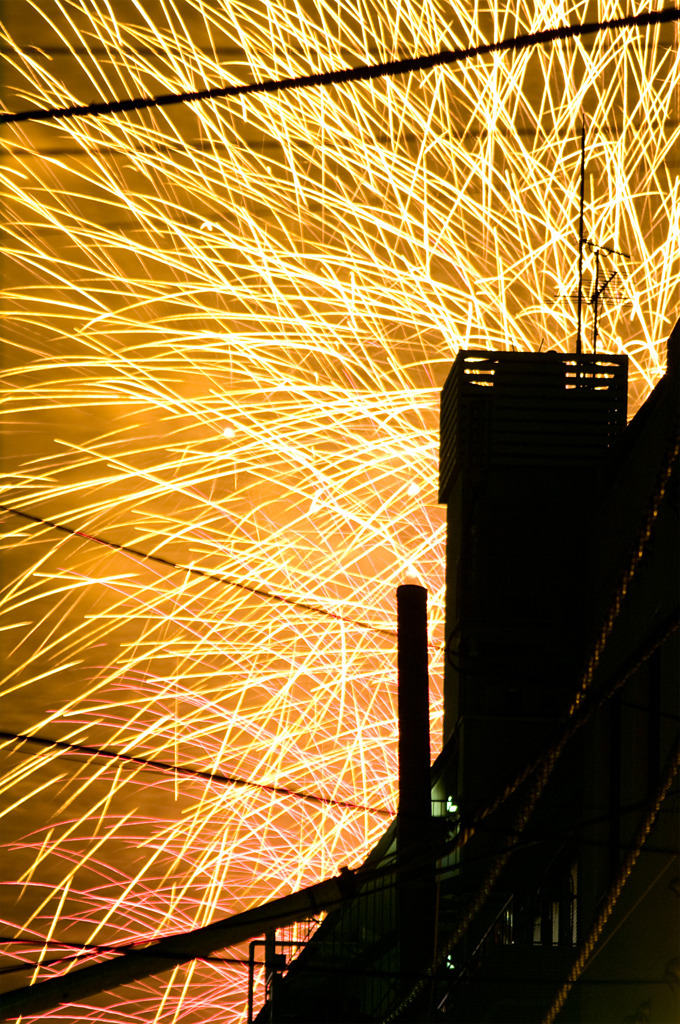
(352, 881)
(476, 821)
(215, 577)
(580, 711)
(623, 874)
(351, 74)
(365, 72)
(193, 773)
(575, 724)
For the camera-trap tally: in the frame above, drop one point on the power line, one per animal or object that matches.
(174, 950)
(50, 992)
(365, 72)
(645, 826)
(579, 714)
(195, 773)
(215, 577)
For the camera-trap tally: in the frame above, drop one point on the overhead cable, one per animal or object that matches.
(579, 713)
(616, 887)
(194, 571)
(174, 950)
(192, 773)
(362, 73)
(199, 944)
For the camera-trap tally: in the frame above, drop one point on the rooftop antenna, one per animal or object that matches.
(596, 299)
(599, 289)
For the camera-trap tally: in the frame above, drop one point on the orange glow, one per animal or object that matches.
(227, 327)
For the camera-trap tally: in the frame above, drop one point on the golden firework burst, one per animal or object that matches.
(227, 324)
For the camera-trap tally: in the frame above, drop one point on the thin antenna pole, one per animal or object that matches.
(580, 239)
(596, 298)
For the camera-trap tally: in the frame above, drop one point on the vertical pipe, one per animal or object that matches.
(414, 714)
(596, 297)
(415, 866)
(251, 979)
(580, 239)
(270, 973)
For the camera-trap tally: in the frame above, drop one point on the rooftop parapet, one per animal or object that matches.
(529, 409)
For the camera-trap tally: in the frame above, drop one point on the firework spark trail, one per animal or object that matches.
(226, 335)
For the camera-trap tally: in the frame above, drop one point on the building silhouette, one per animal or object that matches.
(543, 880)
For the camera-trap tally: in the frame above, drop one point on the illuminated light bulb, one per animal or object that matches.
(228, 432)
(412, 489)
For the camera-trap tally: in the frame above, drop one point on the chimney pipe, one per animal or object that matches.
(414, 714)
(415, 865)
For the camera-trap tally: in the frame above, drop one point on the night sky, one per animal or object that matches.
(226, 328)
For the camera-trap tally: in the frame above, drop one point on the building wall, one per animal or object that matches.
(548, 512)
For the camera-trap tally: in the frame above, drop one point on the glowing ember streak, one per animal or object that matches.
(228, 326)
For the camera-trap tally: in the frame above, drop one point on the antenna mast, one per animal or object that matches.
(599, 289)
(597, 297)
